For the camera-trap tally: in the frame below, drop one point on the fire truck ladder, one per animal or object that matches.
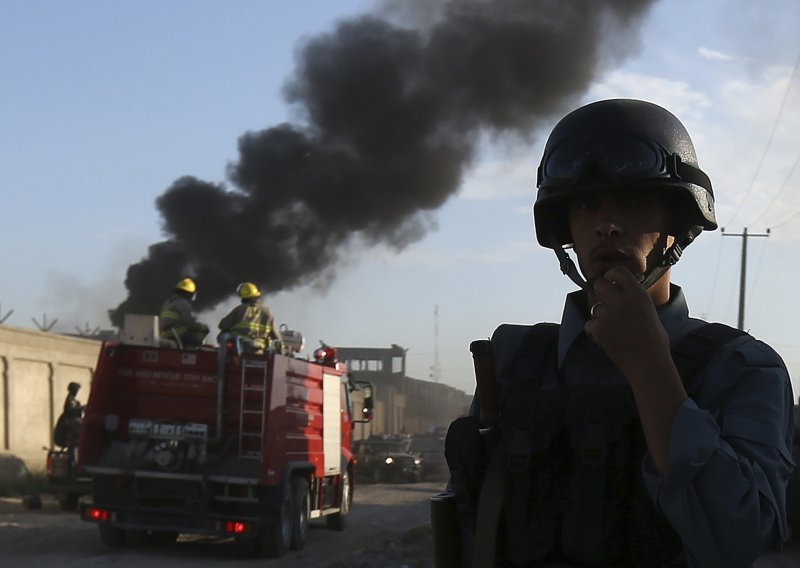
(252, 408)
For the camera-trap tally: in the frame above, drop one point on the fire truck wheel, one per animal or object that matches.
(337, 521)
(301, 510)
(275, 539)
(111, 536)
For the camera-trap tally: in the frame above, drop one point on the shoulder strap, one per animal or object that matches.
(522, 351)
(511, 345)
(694, 350)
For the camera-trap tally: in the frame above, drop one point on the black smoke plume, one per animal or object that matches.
(391, 115)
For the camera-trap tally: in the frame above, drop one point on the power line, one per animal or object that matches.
(771, 137)
(789, 220)
(716, 275)
(762, 254)
(779, 192)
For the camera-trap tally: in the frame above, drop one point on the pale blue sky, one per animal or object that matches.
(105, 104)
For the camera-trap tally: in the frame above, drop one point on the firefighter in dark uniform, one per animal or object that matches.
(69, 423)
(177, 322)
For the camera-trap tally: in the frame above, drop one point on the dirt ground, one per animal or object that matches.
(389, 527)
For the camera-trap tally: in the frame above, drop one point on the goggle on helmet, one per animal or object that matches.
(621, 144)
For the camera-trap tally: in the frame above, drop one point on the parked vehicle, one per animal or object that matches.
(386, 460)
(15, 478)
(429, 448)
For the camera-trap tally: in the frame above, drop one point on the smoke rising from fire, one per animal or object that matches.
(390, 118)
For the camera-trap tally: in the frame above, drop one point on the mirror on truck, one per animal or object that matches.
(369, 401)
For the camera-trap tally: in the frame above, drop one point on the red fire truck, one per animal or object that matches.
(210, 442)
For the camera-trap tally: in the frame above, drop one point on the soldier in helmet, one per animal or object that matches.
(631, 434)
(177, 321)
(251, 322)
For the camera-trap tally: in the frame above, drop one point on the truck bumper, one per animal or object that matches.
(160, 520)
(182, 503)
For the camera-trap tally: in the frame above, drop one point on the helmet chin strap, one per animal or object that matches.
(670, 258)
(568, 266)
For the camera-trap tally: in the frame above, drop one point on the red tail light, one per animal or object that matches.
(237, 527)
(96, 514)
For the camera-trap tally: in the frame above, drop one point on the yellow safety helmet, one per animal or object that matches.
(247, 290)
(187, 285)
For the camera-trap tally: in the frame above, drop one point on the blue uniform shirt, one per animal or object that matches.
(730, 448)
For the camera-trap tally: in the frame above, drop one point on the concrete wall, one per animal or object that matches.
(403, 404)
(35, 369)
(431, 405)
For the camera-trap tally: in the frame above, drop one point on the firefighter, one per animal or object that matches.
(177, 322)
(250, 323)
(631, 434)
(68, 424)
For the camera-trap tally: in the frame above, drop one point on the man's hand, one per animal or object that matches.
(625, 325)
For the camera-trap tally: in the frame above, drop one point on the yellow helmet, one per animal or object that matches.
(247, 290)
(187, 285)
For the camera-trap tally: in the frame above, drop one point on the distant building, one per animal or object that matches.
(402, 404)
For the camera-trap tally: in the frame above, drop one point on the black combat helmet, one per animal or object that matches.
(617, 144)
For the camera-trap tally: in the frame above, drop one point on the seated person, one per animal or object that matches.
(177, 322)
(250, 323)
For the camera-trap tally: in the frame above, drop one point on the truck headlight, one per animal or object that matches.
(389, 460)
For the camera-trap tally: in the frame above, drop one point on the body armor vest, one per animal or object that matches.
(566, 461)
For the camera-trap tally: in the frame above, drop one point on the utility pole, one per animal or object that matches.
(436, 368)
(743, 270)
